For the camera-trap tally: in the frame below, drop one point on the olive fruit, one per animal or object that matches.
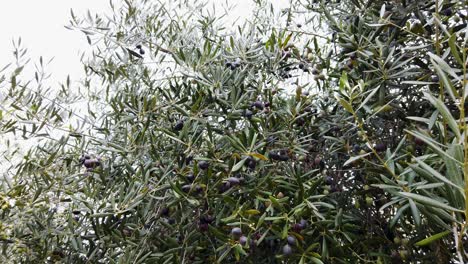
(418, 141)
(203, 227)
(251, 163)
(190, 178)
(447, 12)
(369, 200)
(380, 147)
(303, 223)
(203, 165)
(142, 51)
(301, 66)
(329, 180)
(435, 78)
(233, 180)
(317, 160)
(273, 155)
(243, 240)
(287, 250)
(91, 163)
(258, 105)
(206, 219)
(179, 125)
(248, 113)
(138, 46)
(283, 157)
(236, 232)
(291, 240)
(165, 211)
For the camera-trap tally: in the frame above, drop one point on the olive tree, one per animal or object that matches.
(327, 132)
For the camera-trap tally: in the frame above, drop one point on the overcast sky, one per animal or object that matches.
(40, 24)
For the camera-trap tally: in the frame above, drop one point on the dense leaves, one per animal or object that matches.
(327, 132)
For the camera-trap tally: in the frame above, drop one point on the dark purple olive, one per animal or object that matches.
(76, 212)
(233, 180)
(300, 121)
(329, 180)
(89, 163)
(188, 160)
(243, 240)
(142, 51)
(190, 178)
(179, 125)
(297, 227)
(418, 141)
(317, 160)
(171, 221)
(236, 232)
(315, 71)
(273, 155)
(299, 25)
(380, 147)
(251, 163)
(165, 211)
(283, 157)
(301, 66)
(303, 223)
(203, 165)
(353, 56)
(291, 240)
(435, 78)
(287, 250)
(138, 46)
(228, 64)
(267, 104)
(248, 113)
(447, 12)
(356, 148)
(207, 219)
(259, 105)
(203, 227)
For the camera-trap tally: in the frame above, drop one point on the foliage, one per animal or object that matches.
(329, 132)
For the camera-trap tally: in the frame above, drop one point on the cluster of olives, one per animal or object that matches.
(204, 221)
(88, 162)
(280, 155)
(255, 107)
(229, 183)
(140, 49)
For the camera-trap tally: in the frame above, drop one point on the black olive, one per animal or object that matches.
(258, 105)
(179, 125)
(291, 240)
(287, 250)
(243, 240)
(273, 155)
(142, 51)
(203, 165)
(233, 180)
(248, 114)
(380, 147)
(138, 46)
(236, 232)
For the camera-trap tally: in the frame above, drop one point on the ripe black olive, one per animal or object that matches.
(179, 125)
(236, 232)
(203, 165)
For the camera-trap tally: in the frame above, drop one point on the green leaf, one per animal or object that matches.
(429, 201)
(432, 238)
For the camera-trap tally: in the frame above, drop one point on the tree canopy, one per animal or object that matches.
(331, 131)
